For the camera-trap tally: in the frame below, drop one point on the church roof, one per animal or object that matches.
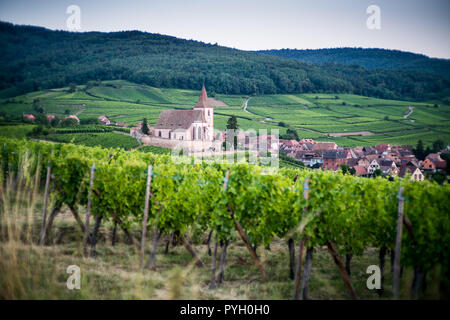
(203, 100)
(179, 119)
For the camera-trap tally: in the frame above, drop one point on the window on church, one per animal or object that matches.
(199, 133)
(193, 133)
(159, 133)
(208, 113)
(174, 135)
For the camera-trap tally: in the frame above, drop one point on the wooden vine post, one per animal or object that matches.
(332, 249)
(88, 212)
(144, 223)
(244, 236)
(301, 248)
(398, 242)
(46, 194)
(213, 267)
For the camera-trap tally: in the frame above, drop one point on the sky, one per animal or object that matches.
(409, 25)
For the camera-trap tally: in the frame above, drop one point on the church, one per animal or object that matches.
(187, 125)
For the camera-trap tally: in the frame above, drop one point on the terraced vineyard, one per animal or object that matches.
(312, 115)
(107, 140)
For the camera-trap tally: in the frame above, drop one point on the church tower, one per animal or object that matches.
(208, 113)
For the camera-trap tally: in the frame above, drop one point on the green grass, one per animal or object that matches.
(114, 273)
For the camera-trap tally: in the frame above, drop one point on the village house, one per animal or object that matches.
(374, 165)
(311, 141)
(433, 162)
(369, 150)
(383, 147)
(389, 166)
(360, 170)
(104, 120)
(73, 117)
(413, 171)
(325, 146)
(308, 158)
(288, 146)
(332, 159)
(363, 162)
(29, 117)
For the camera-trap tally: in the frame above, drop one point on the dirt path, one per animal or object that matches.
(83, 107)
(353, 133)
(245, 105)
(121, 132)
(138, 147)
(411, 109)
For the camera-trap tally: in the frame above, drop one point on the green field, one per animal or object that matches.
(312, 115)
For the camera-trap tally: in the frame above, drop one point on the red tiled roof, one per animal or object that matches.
(360, 170)
(324, 146)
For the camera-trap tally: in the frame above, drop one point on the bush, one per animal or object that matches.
(68, 122)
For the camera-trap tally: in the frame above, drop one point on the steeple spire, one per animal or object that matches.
(203, 100)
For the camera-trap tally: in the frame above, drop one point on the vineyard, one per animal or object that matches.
(92, 139)
(311, 115)
(239, 203)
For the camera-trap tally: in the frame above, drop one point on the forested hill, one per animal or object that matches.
(369, 58)
(33, 58)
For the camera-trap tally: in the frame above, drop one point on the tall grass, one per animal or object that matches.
(29, 271)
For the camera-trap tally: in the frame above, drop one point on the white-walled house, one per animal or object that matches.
(374, 165)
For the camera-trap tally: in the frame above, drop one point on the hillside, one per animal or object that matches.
(34, 58)
(347, 119)
(369, 58)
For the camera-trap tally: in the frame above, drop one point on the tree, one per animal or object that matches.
(42, 119)
(419, 151)
(427, 152)
(67, 111)
(144, 127)
(377, 173)
(438, 145)
(232, 123)
(386, 118)
(346, 169)
(72, 87)
(446, 157)
(439, 176)
(291, 134)
(55, 121)
(68, 122)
